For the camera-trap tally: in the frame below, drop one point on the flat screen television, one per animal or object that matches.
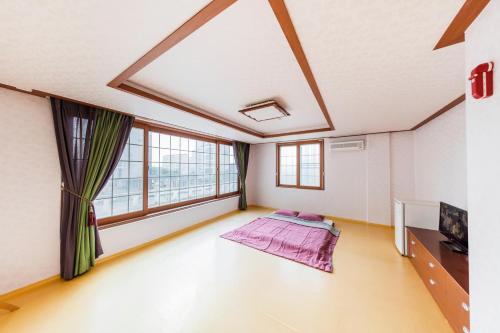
(453, 224)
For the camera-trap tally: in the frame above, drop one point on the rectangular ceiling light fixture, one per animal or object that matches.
(264, 111)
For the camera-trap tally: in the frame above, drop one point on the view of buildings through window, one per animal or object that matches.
(178, 170)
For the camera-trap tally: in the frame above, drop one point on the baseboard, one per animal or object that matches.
(348, 220)
(17, 292)
(29, 287)
(335, 218)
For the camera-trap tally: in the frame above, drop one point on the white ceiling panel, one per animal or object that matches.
(74, 48)
(373, 59)
(238, 58)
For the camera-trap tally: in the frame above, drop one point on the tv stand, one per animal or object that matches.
(444, 272)
(453, 246)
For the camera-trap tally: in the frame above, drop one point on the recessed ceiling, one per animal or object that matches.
(372, 60)
(238, 57)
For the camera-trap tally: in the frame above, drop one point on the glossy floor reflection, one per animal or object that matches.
(199, 282)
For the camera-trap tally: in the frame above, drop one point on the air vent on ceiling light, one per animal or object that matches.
(347, 145)
(264, 111)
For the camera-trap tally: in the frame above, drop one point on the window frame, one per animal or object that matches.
(147, 127)
(298, 144)
(228, 194)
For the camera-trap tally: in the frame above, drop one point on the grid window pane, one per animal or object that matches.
(122, 193)
(179, 170)
(228, 173)
(288, 165)
(310, 165)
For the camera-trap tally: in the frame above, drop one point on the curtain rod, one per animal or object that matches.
(44, 94)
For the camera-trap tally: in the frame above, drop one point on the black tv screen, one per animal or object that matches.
(453, 224)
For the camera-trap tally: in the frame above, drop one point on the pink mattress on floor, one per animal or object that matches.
(311, 246)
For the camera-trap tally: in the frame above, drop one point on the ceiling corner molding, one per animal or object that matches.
(285, 21)
(455, 33)
(444, 109)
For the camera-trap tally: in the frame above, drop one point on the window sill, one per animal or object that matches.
(302, 187)
(164, 212)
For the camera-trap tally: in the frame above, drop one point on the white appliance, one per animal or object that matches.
(411, 213)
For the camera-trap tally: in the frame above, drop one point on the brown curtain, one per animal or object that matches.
(75, 126)
(241, 156)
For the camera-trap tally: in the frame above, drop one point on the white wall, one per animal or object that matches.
(483, 169)
(402, 167)
(440, 159)
(29, 191)
(125, 236)
(430, 162)
(378, 179)
(357, 184)
(30, 198)
(426, 164)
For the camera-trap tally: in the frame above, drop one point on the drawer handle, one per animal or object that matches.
(412, 242)
(432, 282)
(413, 255)
(465, 329)
(431, 265)
(465, 306)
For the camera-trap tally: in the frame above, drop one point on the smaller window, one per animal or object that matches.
(300, 165)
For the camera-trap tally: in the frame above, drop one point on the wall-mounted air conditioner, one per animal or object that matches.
(347, 145)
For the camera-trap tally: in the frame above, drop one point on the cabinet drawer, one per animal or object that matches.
(411, 243)
(431, 272)
(415, 255)
(457, 306)
(424, 263)
(435, 280)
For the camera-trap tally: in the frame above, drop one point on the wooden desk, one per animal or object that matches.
(444, 272)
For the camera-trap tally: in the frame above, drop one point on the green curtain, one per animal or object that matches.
(106, 138)
(241, 154)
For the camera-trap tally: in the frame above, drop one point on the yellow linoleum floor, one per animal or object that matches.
(199, 282)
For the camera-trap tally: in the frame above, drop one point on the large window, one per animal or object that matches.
(180, 169)
(123, 193)
(300, 164)
(176, 169)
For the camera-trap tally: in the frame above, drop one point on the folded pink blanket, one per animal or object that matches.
(308, 245)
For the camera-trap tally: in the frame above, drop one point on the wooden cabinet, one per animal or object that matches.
(444, 272)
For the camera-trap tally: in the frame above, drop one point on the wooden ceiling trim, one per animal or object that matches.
(207, 13)
(142, 92)
(44, 94)
(33, 92)
(326, 129)
(178, 105)
(283, 17)
(455, 33)
(445, 108)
